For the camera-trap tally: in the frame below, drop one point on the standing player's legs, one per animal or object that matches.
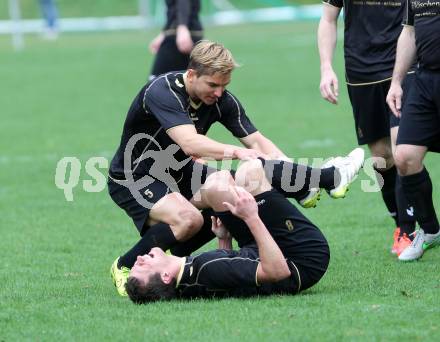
(419, 129)
(405, 213)
(372, 123)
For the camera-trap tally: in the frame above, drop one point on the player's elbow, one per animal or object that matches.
(281, 273)
(274, 273)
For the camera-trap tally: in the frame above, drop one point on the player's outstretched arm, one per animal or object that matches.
(405, 56)
(200, 146)
(259, 142)
(327, 36)
(273, 266)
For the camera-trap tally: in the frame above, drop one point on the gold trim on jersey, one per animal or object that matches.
(182, 268)
(375, 82)
(195, 105)
(256, 275)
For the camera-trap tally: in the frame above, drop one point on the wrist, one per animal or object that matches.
(326, 66)
(182, 27)
(252, 220)
(232, 153)
(396, 80)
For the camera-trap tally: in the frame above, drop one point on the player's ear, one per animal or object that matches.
(191, 74)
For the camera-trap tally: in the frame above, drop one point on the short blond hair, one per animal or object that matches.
(208, 58)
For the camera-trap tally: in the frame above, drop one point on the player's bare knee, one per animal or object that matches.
(187, 224)
(382, 153)
(219, 177)
(215, 184)
(402, 161)
(251, 176)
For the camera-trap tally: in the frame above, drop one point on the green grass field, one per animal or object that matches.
(70, 97)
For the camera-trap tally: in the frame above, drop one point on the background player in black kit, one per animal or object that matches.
(280, 250)
(420, 116)
(181, 31)
(371, 30)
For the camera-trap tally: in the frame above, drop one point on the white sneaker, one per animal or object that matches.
(348, 167)
(418, 246)
(431, 240)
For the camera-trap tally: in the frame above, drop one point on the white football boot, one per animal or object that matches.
(421, 242)
(348, 168)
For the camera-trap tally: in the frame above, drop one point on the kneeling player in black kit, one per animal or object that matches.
(281, 251)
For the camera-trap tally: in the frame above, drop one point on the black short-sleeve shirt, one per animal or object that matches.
(424, 15)
(163, 103)
(224, 273)
(372, 28)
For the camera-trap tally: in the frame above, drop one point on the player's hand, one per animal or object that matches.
(247, 154)
(394, 98)
(329, 86)
(183, 39)
(244, 206)
(219, 229)
(156, 43)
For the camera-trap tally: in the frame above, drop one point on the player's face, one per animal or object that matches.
(149, 264)
(208, 88)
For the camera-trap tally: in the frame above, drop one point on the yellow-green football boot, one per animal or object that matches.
(119, 277)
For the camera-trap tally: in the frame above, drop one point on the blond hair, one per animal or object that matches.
(208, 58)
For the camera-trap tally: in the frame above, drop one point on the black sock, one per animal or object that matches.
(407, 221)
(159, 235)
(295, 181)
(205, 235)
(418, 190)
(388, 189)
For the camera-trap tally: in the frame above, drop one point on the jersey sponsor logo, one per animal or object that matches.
(289, 225)
(180, 85)
(193, 116)
(261, 202)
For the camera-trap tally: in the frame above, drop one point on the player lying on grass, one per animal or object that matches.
(283, 176)
(281, 251)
